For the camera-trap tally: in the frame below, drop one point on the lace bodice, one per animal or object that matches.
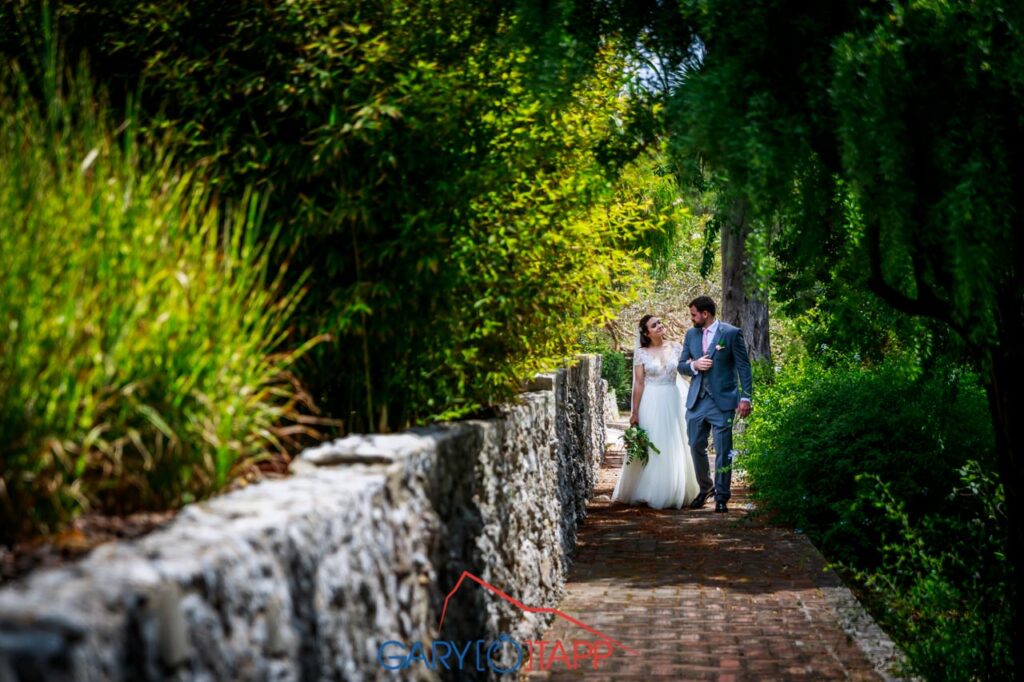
(659, 363)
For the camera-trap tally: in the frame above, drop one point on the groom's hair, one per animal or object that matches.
(704, 304)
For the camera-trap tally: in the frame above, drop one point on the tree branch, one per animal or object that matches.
(927, 303)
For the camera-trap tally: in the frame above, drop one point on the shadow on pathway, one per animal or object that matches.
(702, 596)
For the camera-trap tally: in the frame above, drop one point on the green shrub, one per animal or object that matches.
(890, 472)
(142, 331)
(615, 368)
(441, 178)
(942, 584)
(619, 375)
(817, 428)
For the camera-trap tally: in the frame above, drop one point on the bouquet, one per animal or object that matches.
(638, 445)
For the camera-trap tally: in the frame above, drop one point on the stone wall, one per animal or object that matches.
(303, 578)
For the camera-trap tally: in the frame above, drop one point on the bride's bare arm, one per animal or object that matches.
(638, 392)
(687, 375)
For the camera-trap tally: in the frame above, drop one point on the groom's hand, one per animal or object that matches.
(745, 409)
(703, 364)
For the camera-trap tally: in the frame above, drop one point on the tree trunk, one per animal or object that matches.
(742, 308)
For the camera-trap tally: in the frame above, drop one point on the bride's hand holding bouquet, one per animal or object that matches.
(638, 444)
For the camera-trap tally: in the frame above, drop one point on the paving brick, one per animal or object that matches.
(700, 595)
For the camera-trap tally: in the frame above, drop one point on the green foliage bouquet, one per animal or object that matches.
(638, 445)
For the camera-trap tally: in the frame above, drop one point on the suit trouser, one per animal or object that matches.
(703, 419)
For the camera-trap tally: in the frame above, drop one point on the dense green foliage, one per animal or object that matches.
(141, 359)
(864, 112)
(941, 586)
(891, 476)
(617, 372)
(818, 428)
(446, 195)
(671, 254)
(875, 140)
(446, 184)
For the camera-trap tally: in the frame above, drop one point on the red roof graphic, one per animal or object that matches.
(528, 609)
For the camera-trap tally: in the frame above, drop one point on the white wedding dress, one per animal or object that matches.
(669, 479)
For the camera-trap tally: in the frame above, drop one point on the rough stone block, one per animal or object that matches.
(303, 578)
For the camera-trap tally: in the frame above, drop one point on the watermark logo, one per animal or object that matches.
(503, 654)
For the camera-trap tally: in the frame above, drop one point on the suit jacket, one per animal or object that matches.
(729, 378)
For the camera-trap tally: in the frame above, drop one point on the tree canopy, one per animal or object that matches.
(448, 180)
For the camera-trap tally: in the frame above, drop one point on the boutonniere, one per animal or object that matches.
(720, 345)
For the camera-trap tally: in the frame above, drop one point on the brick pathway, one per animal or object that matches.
(700, 596)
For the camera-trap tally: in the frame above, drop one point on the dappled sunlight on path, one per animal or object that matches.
(701, 596)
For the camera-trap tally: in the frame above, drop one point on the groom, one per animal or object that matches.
(716, 357)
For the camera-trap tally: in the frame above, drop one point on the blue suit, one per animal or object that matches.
(712, 400)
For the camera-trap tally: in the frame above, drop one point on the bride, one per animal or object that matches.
(669, 479)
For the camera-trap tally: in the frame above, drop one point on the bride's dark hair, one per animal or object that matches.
(645, 340)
